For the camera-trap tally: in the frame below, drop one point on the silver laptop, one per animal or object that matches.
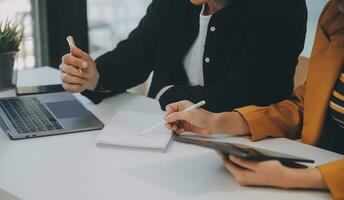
(45, 115)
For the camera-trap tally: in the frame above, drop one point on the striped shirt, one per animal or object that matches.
(337, 101)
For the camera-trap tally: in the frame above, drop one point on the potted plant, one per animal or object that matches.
(11, 35)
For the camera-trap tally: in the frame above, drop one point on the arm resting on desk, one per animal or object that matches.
(285, 120)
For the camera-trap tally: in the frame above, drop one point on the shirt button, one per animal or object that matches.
(207, 60)
(213, 29)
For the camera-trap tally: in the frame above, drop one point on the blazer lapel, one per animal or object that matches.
(324, 69)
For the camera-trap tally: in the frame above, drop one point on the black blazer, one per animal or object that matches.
(253, 53)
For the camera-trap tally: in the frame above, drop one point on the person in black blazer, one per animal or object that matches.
(248, 55)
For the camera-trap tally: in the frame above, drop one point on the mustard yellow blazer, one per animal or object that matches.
(304, 115)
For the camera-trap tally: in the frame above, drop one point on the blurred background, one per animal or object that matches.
(97, 25)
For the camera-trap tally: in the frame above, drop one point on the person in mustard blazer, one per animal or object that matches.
(315, 114)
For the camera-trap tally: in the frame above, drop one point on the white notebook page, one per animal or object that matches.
(126, 129)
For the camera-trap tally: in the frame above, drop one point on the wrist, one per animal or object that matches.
(310, 178)
(213, 122)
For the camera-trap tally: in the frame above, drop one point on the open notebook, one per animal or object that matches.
(129, 129)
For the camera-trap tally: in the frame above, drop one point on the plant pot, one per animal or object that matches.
(6, 70)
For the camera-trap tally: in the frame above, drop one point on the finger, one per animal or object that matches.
(80, 54)
(241, 175)
(177, 133)
(72, 71)
(233, 169)
(171, 108)
(222, 155)
(178, 116)
(66, 78)
(177, 106)
(244, 163)
(180, 130)
(72, 88)
(168, 126)
(70, 59)
(272, 163)
(174, 127)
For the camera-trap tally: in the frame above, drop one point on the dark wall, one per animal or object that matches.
(66, 17)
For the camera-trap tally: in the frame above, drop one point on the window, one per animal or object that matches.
(20, 12)
(110, 21)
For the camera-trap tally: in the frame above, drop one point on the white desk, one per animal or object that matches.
(73, 167)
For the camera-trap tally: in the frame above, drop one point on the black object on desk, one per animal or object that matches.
(247, 152)
(21, 91)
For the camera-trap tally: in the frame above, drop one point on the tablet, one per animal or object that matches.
(21, 91)
(247, 152)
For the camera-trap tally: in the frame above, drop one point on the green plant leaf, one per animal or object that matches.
(11, 35)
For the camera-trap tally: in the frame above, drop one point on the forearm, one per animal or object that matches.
(229, 123)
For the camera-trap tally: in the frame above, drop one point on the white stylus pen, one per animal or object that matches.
(189, 109)
(195, 106)
(71, 44)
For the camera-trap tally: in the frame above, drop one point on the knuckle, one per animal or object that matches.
(65, 58)
(79, 62)
(65, 86)
(68, 59)
(65, 77)
(168, 107)
(241, 180)
(74, 88)
(62, 76)
(69, 69)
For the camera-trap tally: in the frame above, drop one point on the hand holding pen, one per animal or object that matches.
(180, 119)
(189, 108)
(78, 70)
(204, 122)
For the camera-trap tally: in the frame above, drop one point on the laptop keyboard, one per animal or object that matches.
(28, 115)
